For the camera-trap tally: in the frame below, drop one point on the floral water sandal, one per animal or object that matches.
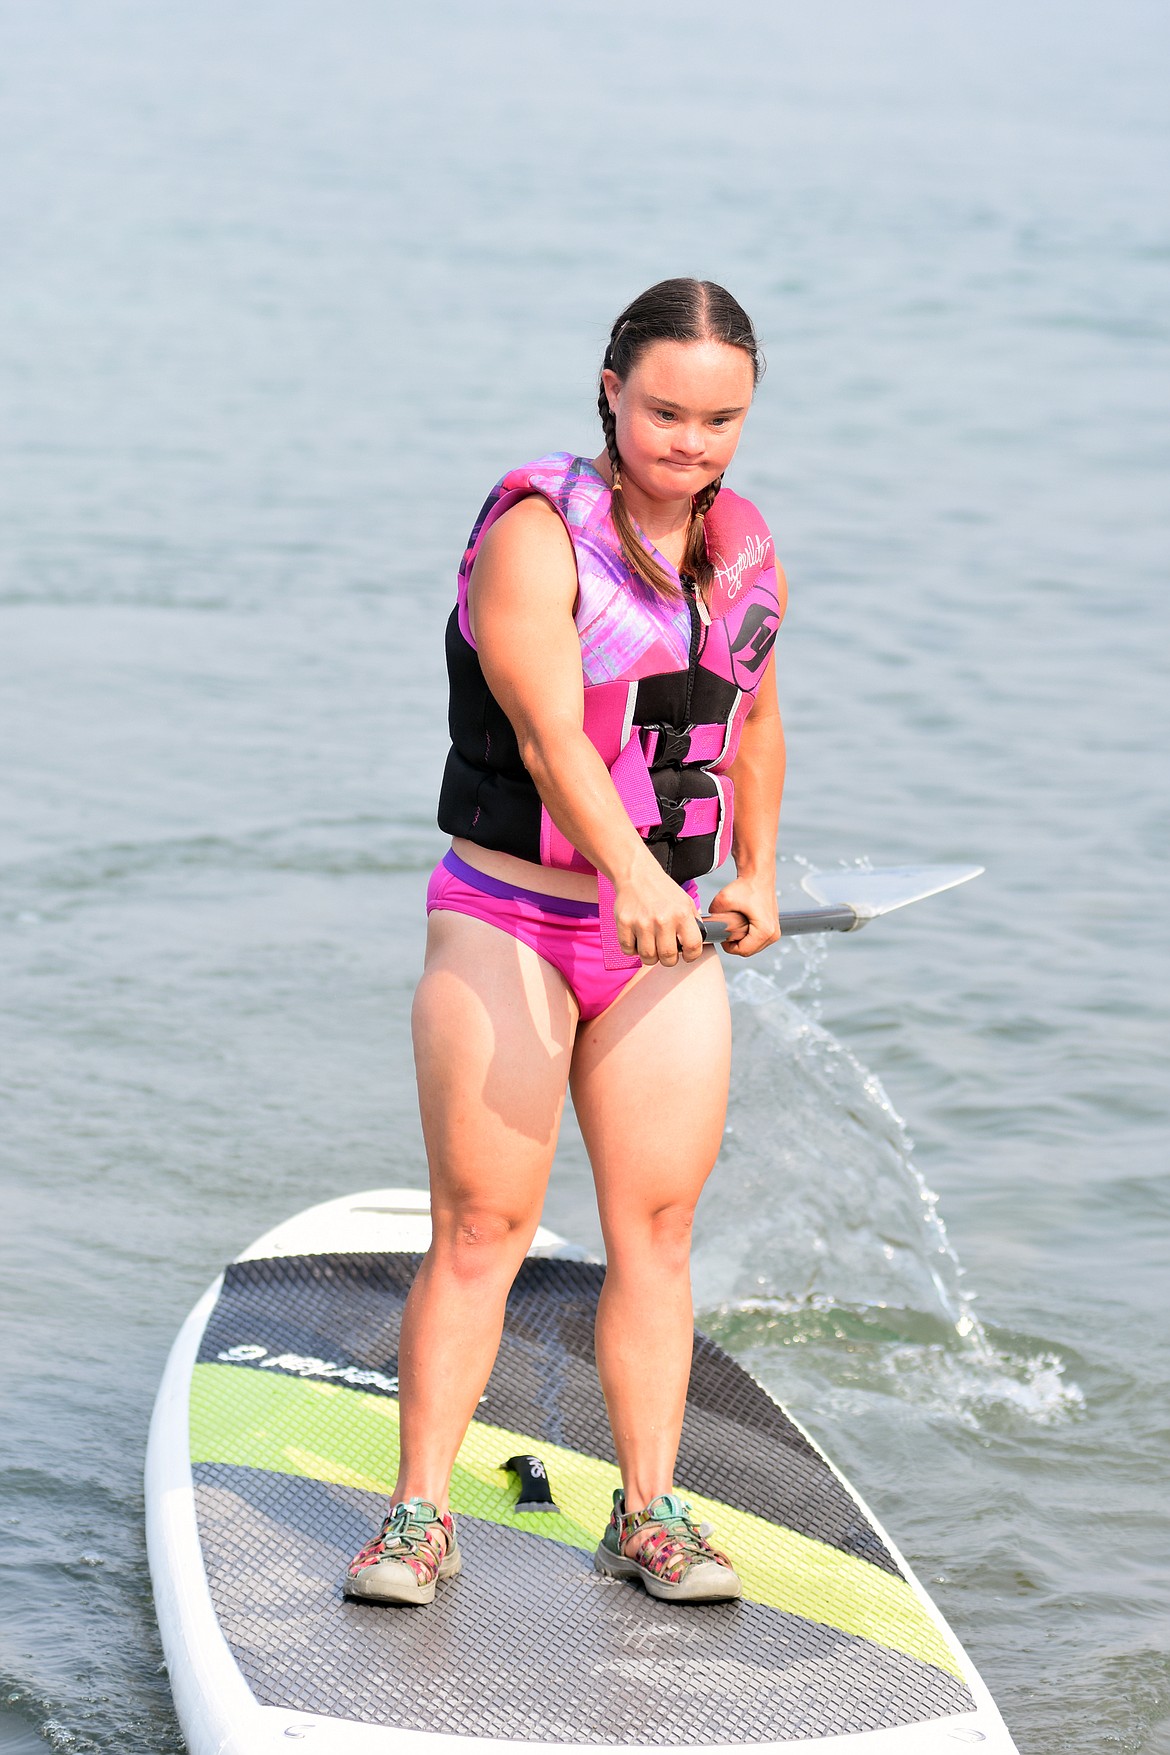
(415, 1547)
(666, 1549)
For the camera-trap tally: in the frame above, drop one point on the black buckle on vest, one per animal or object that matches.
(674, 816)
(673, 746)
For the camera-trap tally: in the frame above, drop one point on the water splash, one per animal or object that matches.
(825, 1236)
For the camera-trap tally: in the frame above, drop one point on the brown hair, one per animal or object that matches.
(673, 310)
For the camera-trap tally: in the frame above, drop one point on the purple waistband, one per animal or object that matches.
(490, 886)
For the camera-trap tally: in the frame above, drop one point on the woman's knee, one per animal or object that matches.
(481, 1243)
(660, 1236)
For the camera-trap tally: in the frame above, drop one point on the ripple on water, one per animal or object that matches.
(75, 1555)
(985, 1380)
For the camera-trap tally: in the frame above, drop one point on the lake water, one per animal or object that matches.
(283, 290)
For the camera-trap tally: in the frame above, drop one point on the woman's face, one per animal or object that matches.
(679, 414)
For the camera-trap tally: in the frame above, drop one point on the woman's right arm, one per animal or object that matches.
(520, 600)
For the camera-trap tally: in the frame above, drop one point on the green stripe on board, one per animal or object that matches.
(326, 1432)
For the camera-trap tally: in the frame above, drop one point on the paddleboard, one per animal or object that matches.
(272, 1449)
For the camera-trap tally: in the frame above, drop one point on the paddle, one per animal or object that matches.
(851, 898)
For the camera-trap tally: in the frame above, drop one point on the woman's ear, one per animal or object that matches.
(612, 385)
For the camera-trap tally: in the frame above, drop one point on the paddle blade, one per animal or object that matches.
(870, 893)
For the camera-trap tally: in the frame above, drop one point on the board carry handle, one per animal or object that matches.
(535, 1492)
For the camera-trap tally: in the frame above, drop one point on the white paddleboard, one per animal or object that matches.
(273, 1446)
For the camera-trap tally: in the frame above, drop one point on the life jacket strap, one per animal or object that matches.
(667, 746)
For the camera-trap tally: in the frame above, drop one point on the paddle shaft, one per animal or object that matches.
(839, 919)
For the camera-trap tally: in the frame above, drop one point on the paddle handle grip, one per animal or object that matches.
(838, 919)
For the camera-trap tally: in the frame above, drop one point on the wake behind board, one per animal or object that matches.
(273, 1447)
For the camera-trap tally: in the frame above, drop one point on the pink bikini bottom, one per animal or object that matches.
(564, 933)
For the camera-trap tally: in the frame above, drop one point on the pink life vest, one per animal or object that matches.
(668, 683)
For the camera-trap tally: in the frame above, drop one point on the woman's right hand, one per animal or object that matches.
(654, 916)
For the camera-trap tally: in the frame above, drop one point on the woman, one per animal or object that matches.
(612, 682)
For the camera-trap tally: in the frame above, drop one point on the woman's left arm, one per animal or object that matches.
(757, 774)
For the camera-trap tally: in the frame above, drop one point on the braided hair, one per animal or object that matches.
(673, 310)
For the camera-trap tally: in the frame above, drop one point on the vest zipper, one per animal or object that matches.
(690, 587)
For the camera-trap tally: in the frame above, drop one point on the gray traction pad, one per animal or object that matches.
(737, 1445)
(624, 1668)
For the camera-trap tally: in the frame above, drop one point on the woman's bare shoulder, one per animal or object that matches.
(527, 542)
(531, 519)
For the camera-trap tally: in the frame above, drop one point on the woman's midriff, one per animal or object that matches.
(548, 880)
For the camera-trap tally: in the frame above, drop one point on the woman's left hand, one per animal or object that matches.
(755, 917)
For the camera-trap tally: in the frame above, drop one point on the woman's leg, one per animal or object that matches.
(649, 1082)
(493, 1034)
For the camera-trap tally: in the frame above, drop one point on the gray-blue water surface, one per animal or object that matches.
(284, 289)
